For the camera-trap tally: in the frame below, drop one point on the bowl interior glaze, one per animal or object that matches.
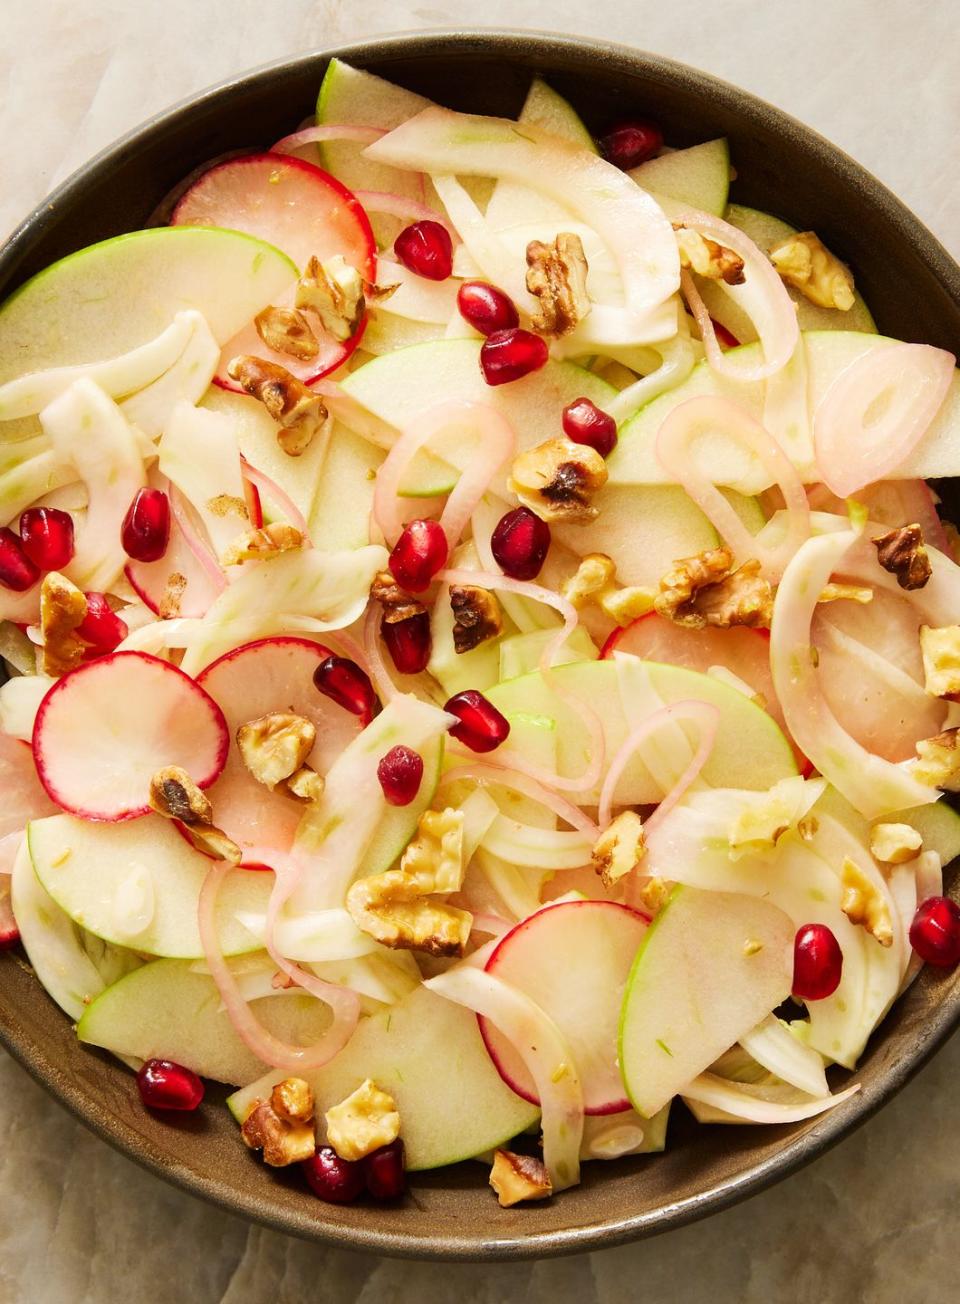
(913, 288)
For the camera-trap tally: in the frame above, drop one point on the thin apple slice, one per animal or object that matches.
(711, 966)
(107, 727)
(573, 959)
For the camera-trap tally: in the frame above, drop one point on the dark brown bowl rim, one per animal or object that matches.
(834, 1126)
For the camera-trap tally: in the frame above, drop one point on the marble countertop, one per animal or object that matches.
(872, 1220)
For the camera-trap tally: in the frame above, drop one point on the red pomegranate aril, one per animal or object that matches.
(418, 554)
(519, 543)
(481, 727)
(400, 773)
(346, 684)
(384, 1172)
(935, 932)
(426, 249)
(408, 642)
(46, 534)
(817, 963)
(101, 627)
(145, 532)
(17, 571)
(9, 932)
(510, 355)
(165, 1085)
(336, 1180)
(631, 143)
(585, 423)
(486, 308)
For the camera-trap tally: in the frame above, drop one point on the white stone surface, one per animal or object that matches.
(872, 1221)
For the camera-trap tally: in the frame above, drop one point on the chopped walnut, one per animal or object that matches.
(175, 796)
(940, 648)
(619, 848)
(864, 904)
(393, 907)
(62, 609)
(805, 263)
(594, 581)
(706, 590)
(938, 761)
(169, 607)
(707, 258)
(846, 593)
(287, 331)
(652, 894)
(306, 784)
(518, 1177)
(476, 617)
(282, 1127)
(557, 480)
(224, 505)
(903, 553)
(894, 844)
(263, 544)
(334, 290)
(397, 604)
(292, 1100)
(366, 1120)
(275, 746)
(557, 276)
(299, 412)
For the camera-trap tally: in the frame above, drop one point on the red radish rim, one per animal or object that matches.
(281, 640)
(139, 591)
(615, 1107)
(205, 781)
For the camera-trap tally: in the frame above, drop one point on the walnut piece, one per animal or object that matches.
(366, 1120)
(334, 290)
(940, 648)
(938, 761)
(306, 784)
(594, 581)
(62, 609)
(275, 746)
(169, 607)
(175, 796)
(894, 844)
(397, 604)
(903, 553)
(263, 544)
(557, 277)
(518, 1177)
(619, 848)
(282, 1127)
(707, 258)
(299, 412)
(846, 593)
(804, 262)
(863, 903)
(287, 331)
(706, 590)
(292, 1100)
(476, 617)
(652, 894)
(557, 480)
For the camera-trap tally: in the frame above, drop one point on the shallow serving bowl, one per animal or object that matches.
(913, 288)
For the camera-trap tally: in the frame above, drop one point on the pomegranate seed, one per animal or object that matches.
(408, 642)
(101, 626)
(631, 143)
(935, 932)
(426, 248)
(419, 553)
(46, 534)
(585, 423)
(336, 1180)
(348, 686)
(481, 726)
(145, 532)
(486, 308)
(400, 773)
(511, 354)
(165, 1085)
(519, 543)
(384, 1172)
(17, 571)
(817, 962)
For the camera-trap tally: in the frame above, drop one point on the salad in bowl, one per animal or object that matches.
(482, 648)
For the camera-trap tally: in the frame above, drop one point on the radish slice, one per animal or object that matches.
(106, 728)
(301, 210)
(877, 411)
(583, 999)
(744, 1103)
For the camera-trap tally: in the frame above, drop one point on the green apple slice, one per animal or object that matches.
(698, 177)
(709, 968)
(412, 1050)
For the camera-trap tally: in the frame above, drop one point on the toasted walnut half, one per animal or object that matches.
(334, 290)
(619, 848)
(299, 412)
(263, 544)
(62, 609)
(706, 590)
(903, 553)
(594, 581)
(707, 258)
(274, 746)
(518, 1177)
(397, 604)
(175, 796)
(282, 1127)
(557, 480)
(803, 261)
(287, 331)
(938, 761)
(940, 648)
(557, 276)
(864, 904)
(366, 1120)
(476, 617)
(894, 844)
